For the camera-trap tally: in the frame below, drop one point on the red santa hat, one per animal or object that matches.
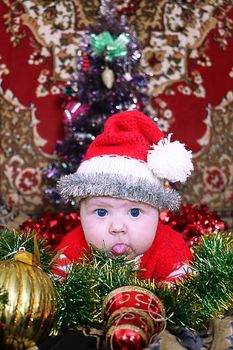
(130, 159)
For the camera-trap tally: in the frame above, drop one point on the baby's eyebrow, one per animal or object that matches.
(100, 205)
(134, 205)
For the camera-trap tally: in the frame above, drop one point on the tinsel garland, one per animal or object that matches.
(191, 302)
(204, 294)
(82, 294)
(193, 221)
(52, 226)
(11, 241)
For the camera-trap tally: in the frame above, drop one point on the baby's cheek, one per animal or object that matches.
(97, 239)
(144, 242)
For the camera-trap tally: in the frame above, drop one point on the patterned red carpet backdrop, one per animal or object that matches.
(187, 50)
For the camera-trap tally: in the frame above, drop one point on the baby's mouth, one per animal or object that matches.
(119, 248)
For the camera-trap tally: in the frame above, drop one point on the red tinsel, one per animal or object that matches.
(192, 221)
(53, 227)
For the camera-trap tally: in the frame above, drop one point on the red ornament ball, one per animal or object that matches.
(133, 315)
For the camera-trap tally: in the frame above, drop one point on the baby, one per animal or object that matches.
(120, 188)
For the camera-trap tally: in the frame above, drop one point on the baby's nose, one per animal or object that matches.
(117, 227)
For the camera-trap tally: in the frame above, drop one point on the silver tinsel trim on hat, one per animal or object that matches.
(79, 186)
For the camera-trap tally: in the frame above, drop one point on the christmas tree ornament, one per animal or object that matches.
(73, 110)
(30, 312)
(108, 77)
(3, 298)
(85, 63)
(133, 315)
(127, 75)
(105, 43)
(191, 303)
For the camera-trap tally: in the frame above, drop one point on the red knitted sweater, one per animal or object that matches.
(166, 254)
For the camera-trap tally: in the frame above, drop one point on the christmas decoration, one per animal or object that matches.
(104, 42)
(207, 292)
(117, 164)
(29, 314)
(12, 240)
(83, 299)
(72, 110)
(108, 79)
(193, 221)
(82, 294)
(191, 302)
(52, 226)
(3, 298)
(133, 315)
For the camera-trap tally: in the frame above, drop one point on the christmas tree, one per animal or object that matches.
(107, 80)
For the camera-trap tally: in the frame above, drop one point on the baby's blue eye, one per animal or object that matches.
(135, 212)
(101, 212)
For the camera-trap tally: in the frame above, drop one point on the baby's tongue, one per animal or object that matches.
(120, 248)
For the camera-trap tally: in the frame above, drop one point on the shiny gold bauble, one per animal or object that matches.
(30, 312)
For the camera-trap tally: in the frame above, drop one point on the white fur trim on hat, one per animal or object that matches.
(119, 177)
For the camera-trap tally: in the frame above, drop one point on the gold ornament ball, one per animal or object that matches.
(30, 312)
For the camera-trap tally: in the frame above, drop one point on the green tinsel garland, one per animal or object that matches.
(208, 292)
(12, 240)
(82, 294)
(203, 295)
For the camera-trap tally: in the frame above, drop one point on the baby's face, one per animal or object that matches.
(118, 225)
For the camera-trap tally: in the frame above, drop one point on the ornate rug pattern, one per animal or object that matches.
(187, 49)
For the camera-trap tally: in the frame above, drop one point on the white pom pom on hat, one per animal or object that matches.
(170, 160)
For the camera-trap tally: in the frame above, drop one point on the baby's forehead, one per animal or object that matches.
(112, 202)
